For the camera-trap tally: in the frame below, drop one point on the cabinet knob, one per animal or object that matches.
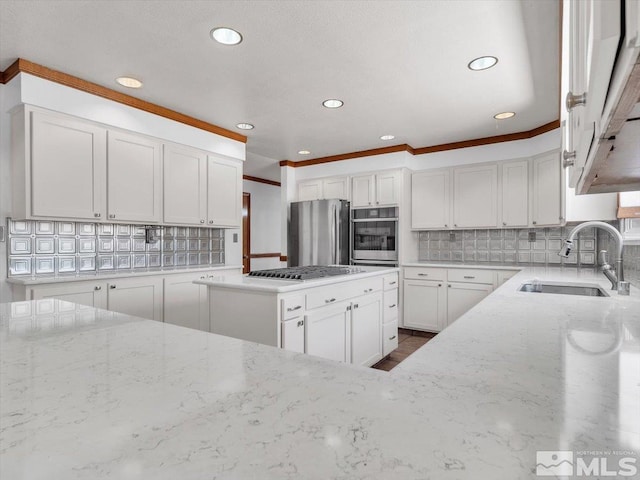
(355, 305)
(575, 100)
(201, 221)
(504, 224)
(97, 287)
(301, 323)
(211, 221)
(112, 287)
(97, 215)
(446, 225)
(449, 286)
(455, 224)
(534, 222)
(439, 284)
(112, 215)
(202, 277)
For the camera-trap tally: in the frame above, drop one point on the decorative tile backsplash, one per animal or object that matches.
(630, 256)
(44, 248)
(525, 246)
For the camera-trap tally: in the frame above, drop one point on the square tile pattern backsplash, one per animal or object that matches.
(508, 246)
(43, 248)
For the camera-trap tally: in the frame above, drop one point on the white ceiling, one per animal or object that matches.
(399, 66)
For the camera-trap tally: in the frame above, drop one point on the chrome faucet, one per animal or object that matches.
(617, 281)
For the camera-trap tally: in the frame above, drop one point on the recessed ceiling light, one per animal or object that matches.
(304, 152)
(503, 115)
(333, 103)
(482, 63)
(245, 126)
(226, 36)
(129, 82)
(387, 137)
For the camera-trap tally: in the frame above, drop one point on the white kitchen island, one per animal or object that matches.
(88, 394)
(351, 318)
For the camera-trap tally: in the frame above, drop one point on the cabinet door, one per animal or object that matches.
(91, 294)
(475, 201)
(424, 305)
(362, 191)
(366, 330)
(134, 178)
(336, 188)
(140, 297)
(430, 200)
(327, 333)
(388, 188)
(546, 190)
(68, 168)
(311, 190)
(224, 192)
(185, 303)
(185, 185)
(293, 335)
(515, 194)
(461, 297)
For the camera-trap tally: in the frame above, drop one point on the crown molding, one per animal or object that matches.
(24, 66)
(261, 180)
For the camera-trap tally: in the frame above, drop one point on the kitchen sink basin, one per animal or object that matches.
(586, 290)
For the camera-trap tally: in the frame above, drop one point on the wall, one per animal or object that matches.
(25, 88)
(265, 223)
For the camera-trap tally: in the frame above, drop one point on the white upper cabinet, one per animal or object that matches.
(514, 201)
(336, 187)
(310, 190)
(475, 202)
(224, 197)
(185, 185)
(387, 188)
(376, 190)
(134, 178)
(430, 199)
(363, 191)
(68, 168)
(546, 192)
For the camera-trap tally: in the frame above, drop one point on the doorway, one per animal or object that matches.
(246, 232)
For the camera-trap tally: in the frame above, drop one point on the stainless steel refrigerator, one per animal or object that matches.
(318, 233)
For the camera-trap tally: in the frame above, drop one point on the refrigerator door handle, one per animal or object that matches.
(335, 234)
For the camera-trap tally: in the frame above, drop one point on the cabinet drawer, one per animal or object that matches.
(329, 295)
(366, 286)
(292, 306)
(470, 276)
(424, 273)
(389, 337)
(390, 281)
(390, 305)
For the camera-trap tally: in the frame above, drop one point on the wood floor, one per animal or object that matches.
(408, 342)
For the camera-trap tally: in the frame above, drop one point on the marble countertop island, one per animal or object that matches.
(91, 394)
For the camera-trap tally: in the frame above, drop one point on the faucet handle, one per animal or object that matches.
(602, 258)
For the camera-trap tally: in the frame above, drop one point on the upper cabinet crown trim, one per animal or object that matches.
(24, 66)
(547, 127)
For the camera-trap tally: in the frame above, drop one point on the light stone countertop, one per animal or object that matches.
(261, 284)
(474, 265)
(42, 280)
(90, 394)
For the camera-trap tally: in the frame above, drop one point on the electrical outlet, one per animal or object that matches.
(452, 236)
(235, 238)
(2, 234)
(532, 236)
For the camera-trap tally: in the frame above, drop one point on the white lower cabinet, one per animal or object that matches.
(366, 332)
(461, 297)
(327, 332)
(424, 304)
(140, 297)
(293, 335)
(432, 305)
(91, 294)
(389, 337)
(185, 303)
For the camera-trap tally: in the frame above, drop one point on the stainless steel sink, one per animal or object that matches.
(587, 290)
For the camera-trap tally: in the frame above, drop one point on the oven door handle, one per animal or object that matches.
(371, 220)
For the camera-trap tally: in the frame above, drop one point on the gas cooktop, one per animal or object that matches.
(305, 273)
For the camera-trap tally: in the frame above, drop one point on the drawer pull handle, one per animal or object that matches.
(423, 274)
(367, 290)
(290, 309)
(392, 306)
(469, 276)
(392, 283)
(392, 338)
(301, 323)
(330, 300)
(439, 284)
